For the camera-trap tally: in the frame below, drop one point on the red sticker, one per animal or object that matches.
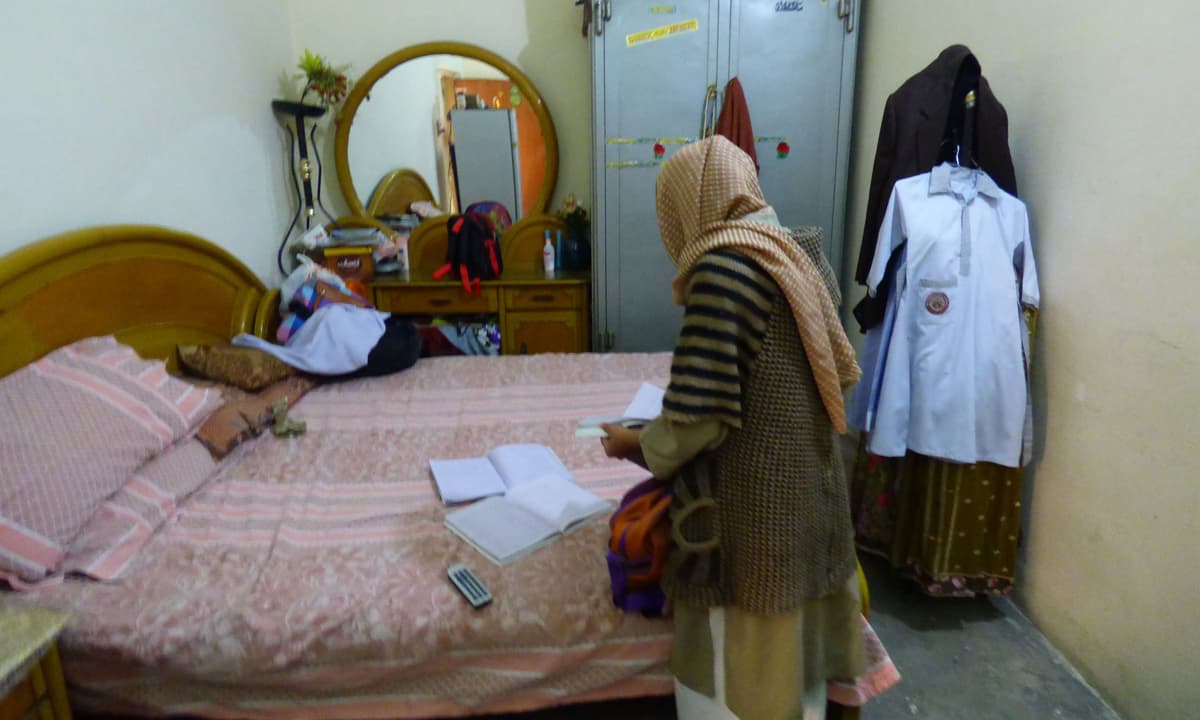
(659, 150)
(782, 149)
(937, 303)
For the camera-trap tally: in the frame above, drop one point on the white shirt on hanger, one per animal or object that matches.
(873, 358)
(954, 380)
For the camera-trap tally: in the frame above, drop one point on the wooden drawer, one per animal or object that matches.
(434, 300)
(530, 333)
(545, 297)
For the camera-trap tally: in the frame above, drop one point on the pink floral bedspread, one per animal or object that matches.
(307, 579)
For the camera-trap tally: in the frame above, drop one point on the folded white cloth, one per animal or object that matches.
(337, 339)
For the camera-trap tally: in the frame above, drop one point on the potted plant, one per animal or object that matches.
(576, 247)
(326, 83)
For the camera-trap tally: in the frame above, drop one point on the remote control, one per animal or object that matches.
(469, 585)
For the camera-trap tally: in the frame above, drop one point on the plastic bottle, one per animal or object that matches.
(548, 255)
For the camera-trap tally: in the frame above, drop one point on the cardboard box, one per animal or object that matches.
(351, 263)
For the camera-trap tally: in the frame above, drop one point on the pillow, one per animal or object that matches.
(246, 368)
(244, 418)
(111, 538)
(77, 424)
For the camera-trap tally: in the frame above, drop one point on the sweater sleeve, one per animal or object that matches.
(728, 305)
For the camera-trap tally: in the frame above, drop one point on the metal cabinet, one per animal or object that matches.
(659, 74)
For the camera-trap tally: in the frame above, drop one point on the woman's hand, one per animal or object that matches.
(622, 442)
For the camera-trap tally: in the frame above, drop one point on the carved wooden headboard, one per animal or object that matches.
(150, 286)
(397, 191)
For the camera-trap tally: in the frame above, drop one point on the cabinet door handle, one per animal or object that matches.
(439, 302)
(846, 13)
(543, 297)
(710, 98)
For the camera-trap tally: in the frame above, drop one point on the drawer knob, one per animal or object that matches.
(439, 302)
(543, 297)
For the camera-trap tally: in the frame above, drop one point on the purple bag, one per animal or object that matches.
(637, 548)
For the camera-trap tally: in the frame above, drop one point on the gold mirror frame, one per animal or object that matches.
(361, 88)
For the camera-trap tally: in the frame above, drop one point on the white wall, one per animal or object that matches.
(541, 37)
(144, 111)
(1102, 121)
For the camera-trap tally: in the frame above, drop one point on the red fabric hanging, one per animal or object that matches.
(734, 120)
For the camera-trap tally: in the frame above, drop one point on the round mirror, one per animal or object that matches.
(448, 123)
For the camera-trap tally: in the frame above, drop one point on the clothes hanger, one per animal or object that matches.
(968, 132)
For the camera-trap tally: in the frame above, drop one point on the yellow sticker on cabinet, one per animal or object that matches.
(659, 33)
(662, 9)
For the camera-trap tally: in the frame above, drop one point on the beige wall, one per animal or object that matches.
(142, 111)
(539, 36)
(1103, 114)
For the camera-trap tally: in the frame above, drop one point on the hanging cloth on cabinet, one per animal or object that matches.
(734, 120)
(921, 127)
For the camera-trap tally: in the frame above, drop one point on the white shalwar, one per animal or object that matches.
(954, 383)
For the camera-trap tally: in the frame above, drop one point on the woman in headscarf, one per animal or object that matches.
(762, 573)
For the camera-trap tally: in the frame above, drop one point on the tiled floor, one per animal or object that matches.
(960, 659)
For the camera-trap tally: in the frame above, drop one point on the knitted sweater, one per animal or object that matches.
(762, 522)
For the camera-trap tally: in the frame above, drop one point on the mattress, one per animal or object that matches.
(308, 577)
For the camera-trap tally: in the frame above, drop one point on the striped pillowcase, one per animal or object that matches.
(78, 423)
(123, 524)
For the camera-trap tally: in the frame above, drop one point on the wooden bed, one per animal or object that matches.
(397, 191)
(150, 286)
(155, 288)
(306, 579)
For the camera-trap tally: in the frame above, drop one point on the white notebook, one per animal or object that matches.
(646, 405)
(531, 514)
(504, 468)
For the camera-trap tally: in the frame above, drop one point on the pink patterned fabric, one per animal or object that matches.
(76, 424)
(308, 578)
(108, 542)
(879, 676)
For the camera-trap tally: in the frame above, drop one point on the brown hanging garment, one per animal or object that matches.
(734, 121)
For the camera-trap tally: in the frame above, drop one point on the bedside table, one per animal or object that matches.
(31, 679)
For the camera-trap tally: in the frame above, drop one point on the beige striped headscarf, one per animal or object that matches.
(705, 192)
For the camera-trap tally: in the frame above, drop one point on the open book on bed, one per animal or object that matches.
(530, 498)
(504, 468)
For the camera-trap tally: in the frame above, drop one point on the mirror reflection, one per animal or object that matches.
(450, 130)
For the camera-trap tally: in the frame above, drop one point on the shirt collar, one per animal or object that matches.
(939, 181)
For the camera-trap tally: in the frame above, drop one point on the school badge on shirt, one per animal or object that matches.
(937, 303)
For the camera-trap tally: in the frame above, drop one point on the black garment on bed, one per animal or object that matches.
(398, 349)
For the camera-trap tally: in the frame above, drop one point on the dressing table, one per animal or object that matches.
(397, 142)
